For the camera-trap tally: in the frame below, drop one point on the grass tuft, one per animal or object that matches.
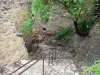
(63, 32)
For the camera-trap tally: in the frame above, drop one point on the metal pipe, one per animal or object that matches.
(28, 67)
(49, 58)
(20, 67)
(55, 54)
(43, 64)
(52, 56)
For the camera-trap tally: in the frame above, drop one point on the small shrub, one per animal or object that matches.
(94, 69)
(85, 25)
(40, 8)
(79, 9)
(27, 25)
(63, 32)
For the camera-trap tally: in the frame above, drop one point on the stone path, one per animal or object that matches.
(58, 67)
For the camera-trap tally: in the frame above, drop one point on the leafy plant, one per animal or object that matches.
(27, 25)
(41, 8)
(85, 25)
(38, 8)
(94, 69)
(63, 32)
(79, 9)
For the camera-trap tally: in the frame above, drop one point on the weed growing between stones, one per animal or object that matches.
(93, 70)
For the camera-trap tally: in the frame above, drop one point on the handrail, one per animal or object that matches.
(41, 56)
(22, 66)
(29, 67)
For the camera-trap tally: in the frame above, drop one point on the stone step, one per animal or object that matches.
(58, 67)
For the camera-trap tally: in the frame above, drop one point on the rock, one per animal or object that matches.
(12, 47)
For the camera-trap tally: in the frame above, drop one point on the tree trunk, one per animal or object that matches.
(76, 27)
(78, 31)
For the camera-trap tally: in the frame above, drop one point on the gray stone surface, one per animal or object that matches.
(58, 67)
(11, 46)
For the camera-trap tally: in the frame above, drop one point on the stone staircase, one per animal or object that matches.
(58, 67)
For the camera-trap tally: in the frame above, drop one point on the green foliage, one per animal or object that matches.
(27, 25)
(75, 7)
(85, 25)
(80, 11)
(78, 8)
(63, 32)
(38, 8)
(95, 69)
(42, 9)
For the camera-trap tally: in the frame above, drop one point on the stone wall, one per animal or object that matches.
(12, 47)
